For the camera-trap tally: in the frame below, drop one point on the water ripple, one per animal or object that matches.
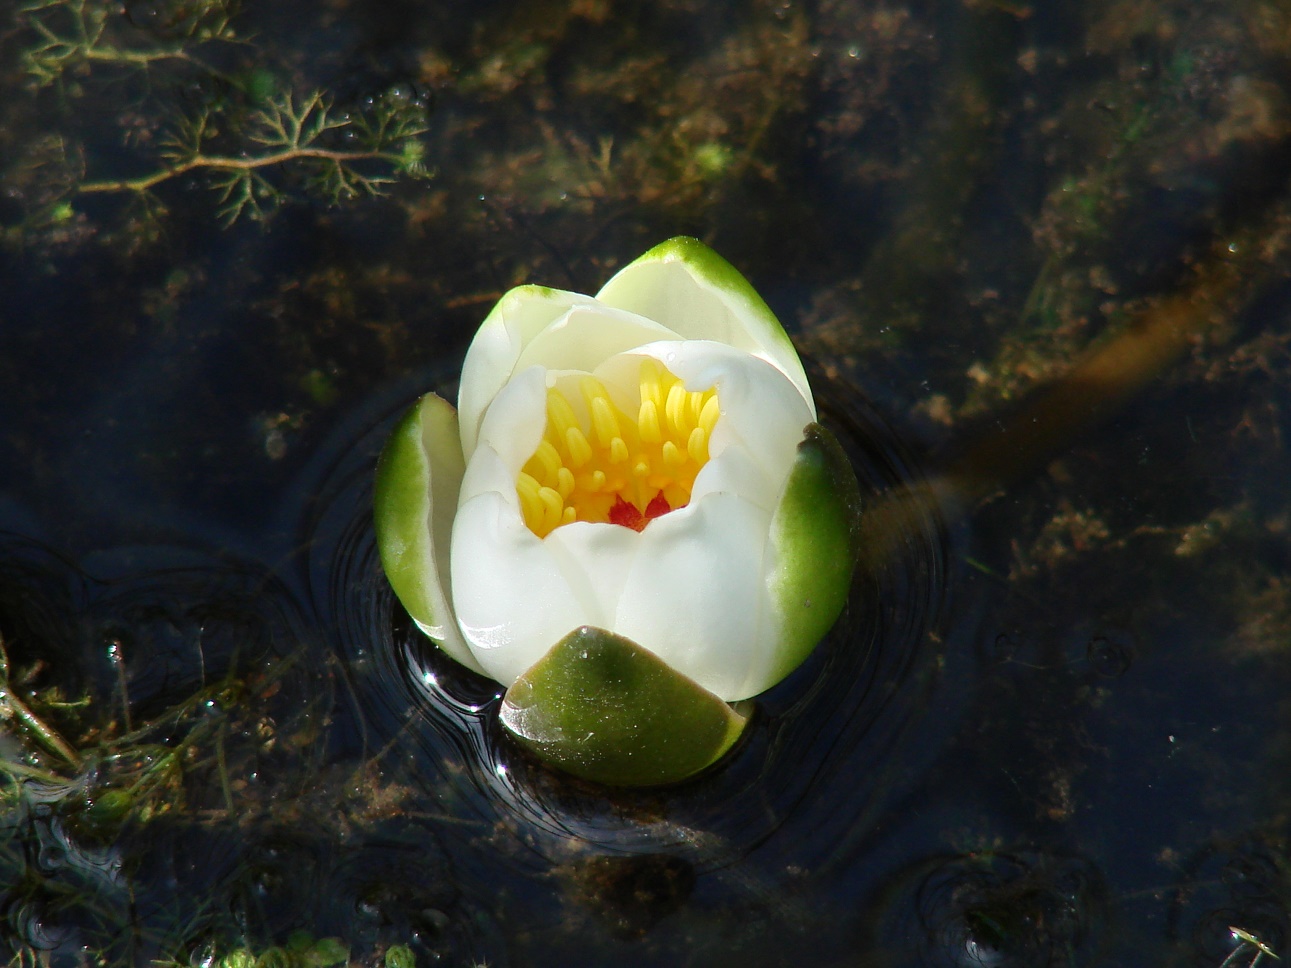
(825, 754)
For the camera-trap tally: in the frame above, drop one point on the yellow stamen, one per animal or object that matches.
(708, 415)
(560, 415)
(526, 485)
(552, 505)
(565, 482)
(672, 455)
(648, 423)
(602, 466)
(651, 380)
(676, 408)
(550, 460)
(697, 446)
(530, 504)
(580, 451)
(603, 419)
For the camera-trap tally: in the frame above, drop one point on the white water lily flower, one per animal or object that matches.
(644, 462)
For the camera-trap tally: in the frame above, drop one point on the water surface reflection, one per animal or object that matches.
(1051, 728)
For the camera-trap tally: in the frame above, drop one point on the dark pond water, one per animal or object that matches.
(1035, 255)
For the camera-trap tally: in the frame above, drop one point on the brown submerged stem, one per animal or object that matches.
(1098, 385)
(1054, 414)
(222, 163)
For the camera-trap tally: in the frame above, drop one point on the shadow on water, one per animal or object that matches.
(273, 753)
(331, 772)
(1056, 736)
(231, 818)
(311, 687)
(332, 776)
(831, 751)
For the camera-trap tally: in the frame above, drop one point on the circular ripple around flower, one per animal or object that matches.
(840, 716)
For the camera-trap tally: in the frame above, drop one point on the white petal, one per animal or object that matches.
(596, 560)
(518, 317)
(696, 594)
(523, 594)
(510, 595)
(689, 288)
(760, 409)
(735, 471)
(511, 430)
(585, 337)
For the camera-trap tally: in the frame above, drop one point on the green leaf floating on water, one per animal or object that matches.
(601, 707)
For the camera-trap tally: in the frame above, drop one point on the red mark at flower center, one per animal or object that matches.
(630, 516)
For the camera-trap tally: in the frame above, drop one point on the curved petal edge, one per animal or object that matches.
(520, 315)
(755, 327)
(419, 474)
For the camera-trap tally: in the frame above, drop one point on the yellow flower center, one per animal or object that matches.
(615, 468)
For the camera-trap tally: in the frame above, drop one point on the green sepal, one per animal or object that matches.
(603, 708)
(419, 475)
(815, 531)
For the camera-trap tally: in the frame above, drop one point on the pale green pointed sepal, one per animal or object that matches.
(418, 478)
(601, 707)
(815, 531)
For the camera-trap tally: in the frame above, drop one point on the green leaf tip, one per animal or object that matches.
(817, 533)
(604, 709)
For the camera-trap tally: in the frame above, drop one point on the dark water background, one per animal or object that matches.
(1051, 728)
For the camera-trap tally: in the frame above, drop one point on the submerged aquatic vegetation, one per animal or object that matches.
(250, 137)
(307, 135)
(83, 782)
(74, 34)
(952, 201)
